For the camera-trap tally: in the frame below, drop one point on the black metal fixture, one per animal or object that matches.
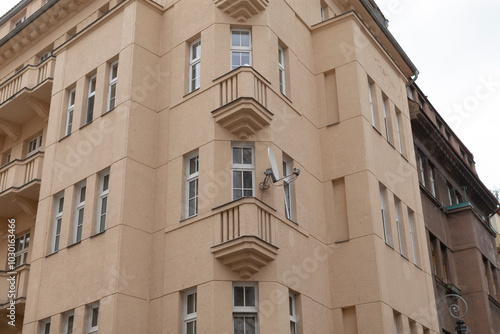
(454, 309)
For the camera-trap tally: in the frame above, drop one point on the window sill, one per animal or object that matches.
(48, 255)
(74, 244)
(188, 218)
(84, 125)
(191, 92)
(107, 112)
(98, 233)
(286, 97)
(64, 137)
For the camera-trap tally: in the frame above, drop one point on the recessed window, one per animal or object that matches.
(242, 170)
(44, 56)
(113, 80)
(192, 168)
(398, 328)
(293, 313)
(287, 186)
(34, 145)
(68, 321)
(432, 179)
(194, 65)
(241, 48)
(89, 115)
(19, 21)
(373, 107)
(245, 308)
(421, 169)
(386, 222)
(69, 112)
(56, 227)
(93, 318)
(414, 237)
(45, 326)
(102, 205)
(79, 211)
(399, 130)
(281, 69)
(400, 227)
(190, 311)
(22, 245)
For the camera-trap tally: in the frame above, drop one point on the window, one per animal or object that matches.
(113, 79)
(413, 237)
(189, 313)
(22, 245)
(397, 323)
(433, 242)
(281, 69)
(241, 48)
(400, 227)
(34, 145)
(56, 228)
(69, 318)
(431, 179)
(93, 318)
(371, 92)
(242, 168)
(194, 65)
(69, 113)
(421, 169)
(6, 157)
(293, 313)
(398, 130)
(102, 205)
(90, 100)
(245, 308)
(444, 257)
(192, 168)
(19, 22)
(287, 186)
(79, 211)
(45, 326)
(413, 326)
(44, 56)
(451, 191)
(385, 220)
(385, 105)
(324, 11)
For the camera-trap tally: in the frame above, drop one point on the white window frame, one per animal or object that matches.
(44, 56)
(70, 111)
(43, 326)
(21, 253)
(385, 220)
(67, 316)
(191, 178)
(287, 186)
(398, 129)
(386, 121)
(241, 49)
(247, 311)
(397, 323)
(372, 107)
(421, 169)
(103, 198)
(281, 69)
(194, 66)
(113, 84)
(89, 115)
(20, 21)
(293, 313)
(81, 190)
(92, 329)
(400, 227)
(431, 179)
(237, 167)
(57, 222)
(34, 145)
(189, 317)
(413, 236)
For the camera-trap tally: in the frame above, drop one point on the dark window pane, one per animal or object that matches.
(239, 325)
(247, 155)
(82, 194)
(237, 179)
(95, 316)
(249, 325)
(238, 296)
(105, 183)
(236, 155)
(249, 296)
(247, 180)
(191, 303)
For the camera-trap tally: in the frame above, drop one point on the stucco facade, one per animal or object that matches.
(134, 143)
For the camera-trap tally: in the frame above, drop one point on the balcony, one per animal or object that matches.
(242, 10)
(247, 233)
(20, 185)
(242, 98)
(21, 286)
(24, 96)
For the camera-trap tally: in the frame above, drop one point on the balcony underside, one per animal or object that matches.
(22, 199)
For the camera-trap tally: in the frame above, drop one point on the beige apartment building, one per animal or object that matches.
(134, 138)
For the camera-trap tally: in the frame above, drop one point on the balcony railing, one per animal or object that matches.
(21, 275)
(20, 172)
(241, 97)
(29, 77)
(247, 232)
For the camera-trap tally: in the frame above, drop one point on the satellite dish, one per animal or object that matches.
(274, 167)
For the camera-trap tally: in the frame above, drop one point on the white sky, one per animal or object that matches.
(455, 44)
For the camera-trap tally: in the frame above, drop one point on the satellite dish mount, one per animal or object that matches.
(273, 173)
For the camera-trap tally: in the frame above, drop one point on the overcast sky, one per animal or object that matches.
(455, 44)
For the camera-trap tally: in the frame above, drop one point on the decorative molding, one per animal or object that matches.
(40, 107)
(242, 10)
(11, 129)
(29, 207)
